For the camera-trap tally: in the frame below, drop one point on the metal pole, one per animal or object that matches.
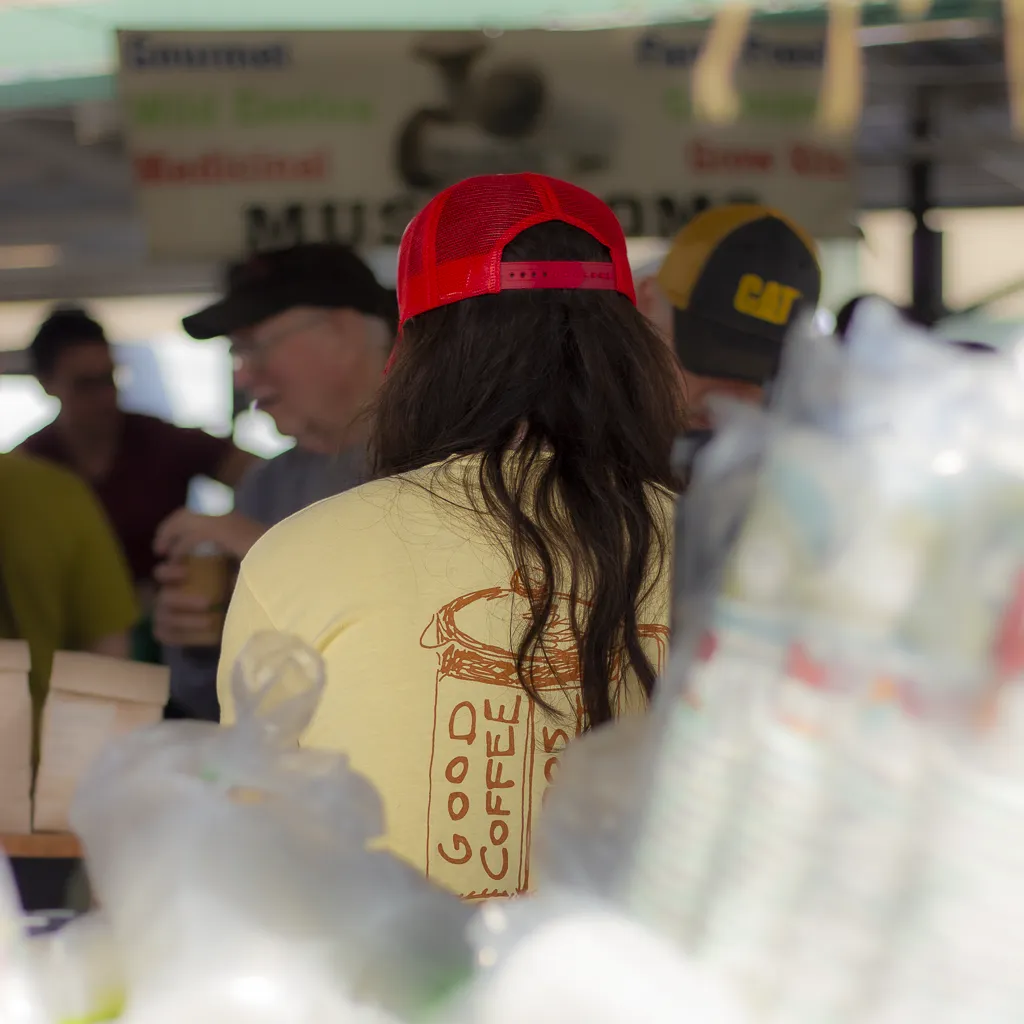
(926, 251)
(683, 453)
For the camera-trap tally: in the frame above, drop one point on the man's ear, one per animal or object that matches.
(646, 295)
(651, 301)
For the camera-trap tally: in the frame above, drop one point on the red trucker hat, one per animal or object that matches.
(452, 249)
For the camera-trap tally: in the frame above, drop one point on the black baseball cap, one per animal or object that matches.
(324, 274)
(737, 276)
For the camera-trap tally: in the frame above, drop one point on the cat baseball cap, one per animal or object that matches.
(738, 276)
(453, 248)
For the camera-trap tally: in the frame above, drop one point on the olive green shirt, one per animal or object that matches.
(65, 581)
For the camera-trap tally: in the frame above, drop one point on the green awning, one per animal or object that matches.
(56, 52)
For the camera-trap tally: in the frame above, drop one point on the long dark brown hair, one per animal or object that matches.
(584, 391)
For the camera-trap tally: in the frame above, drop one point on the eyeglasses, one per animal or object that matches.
(253, 348)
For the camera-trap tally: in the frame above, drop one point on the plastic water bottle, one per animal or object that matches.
(957, 959)
(707, 742)
(778, 807)
(865, 843)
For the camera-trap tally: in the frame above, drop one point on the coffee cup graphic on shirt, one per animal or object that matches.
(494, 750)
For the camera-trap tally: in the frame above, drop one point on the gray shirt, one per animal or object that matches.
(268, 493)
(273, 491)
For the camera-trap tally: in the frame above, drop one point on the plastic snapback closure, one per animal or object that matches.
(558, 274)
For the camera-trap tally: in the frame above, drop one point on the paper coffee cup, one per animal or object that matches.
(208, 575)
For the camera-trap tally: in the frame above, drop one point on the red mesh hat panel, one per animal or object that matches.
(476, 219)
(575, 202)
(587, 211)
(414, 252)
(413, 281)
(452, 250)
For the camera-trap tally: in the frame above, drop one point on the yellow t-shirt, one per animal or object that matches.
(65, 579)
(413, 606)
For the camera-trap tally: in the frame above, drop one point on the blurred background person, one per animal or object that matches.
(845, 319)
(64, 583)
(139, 467)
(510, 563)
(734, 279)
(310, 329)
(732, 282)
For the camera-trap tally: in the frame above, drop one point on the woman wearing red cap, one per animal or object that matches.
(503, 584)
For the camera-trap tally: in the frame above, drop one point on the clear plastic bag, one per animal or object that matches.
(79, 971)
(884, 535)
(21, 991)
(591, 815)
(852, 584)
(710, 514)
(235, 871)
(565, 959)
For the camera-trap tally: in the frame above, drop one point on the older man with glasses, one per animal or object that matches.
(310, 330)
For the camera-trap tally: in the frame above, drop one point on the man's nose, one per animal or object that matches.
(741, 390)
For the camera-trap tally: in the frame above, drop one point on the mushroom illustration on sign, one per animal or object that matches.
(499, 119)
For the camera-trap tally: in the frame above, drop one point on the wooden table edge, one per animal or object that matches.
(42, 845)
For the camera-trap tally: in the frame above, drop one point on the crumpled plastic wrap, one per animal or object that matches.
(563, 958)
(21, 994)
(235, 872)
(591, 816)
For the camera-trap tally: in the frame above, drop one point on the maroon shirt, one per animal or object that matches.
(154, 464)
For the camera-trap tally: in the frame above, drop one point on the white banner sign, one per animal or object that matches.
(246, 140)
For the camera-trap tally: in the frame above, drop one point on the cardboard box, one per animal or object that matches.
(15, 738)
(91, 701)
